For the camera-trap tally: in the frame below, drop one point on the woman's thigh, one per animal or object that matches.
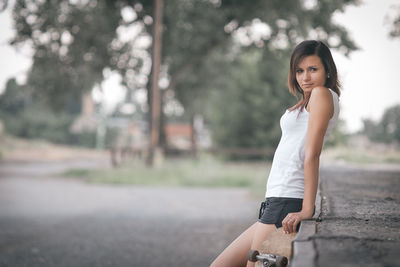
(236, 253)
(261, 233)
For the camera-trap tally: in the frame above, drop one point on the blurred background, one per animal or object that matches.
(81, 98)
(78, 73)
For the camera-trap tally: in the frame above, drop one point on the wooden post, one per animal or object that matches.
(154, 150)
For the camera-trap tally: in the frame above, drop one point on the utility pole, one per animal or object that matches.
(154, 151)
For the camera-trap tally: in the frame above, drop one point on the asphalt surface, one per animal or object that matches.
(359, 221)
(46, 220)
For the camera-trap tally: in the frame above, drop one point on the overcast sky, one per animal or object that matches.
(370, 77)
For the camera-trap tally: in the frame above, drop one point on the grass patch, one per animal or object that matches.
(364, 156)
(205, 172)
(13, 148)
(76, 173)
(356, 158)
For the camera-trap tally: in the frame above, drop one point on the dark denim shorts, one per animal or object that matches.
(275, 209)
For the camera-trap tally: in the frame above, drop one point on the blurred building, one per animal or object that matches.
(125, 133)
(179, 136)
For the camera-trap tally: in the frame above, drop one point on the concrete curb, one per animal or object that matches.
(303, 248)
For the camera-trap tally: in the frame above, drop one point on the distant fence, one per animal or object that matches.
(240, 151)
(118, 155)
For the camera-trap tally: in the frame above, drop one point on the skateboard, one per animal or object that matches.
(275, 251)
(268, 260)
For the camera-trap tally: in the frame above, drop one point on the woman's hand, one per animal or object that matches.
(291, 221)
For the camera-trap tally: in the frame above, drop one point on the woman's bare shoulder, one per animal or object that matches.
(320, 91)
(321, 98)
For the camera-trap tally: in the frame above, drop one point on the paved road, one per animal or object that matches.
(360, 218)
(48, 221)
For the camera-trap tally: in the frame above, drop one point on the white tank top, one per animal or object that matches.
(286, 178)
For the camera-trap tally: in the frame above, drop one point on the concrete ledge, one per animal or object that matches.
(318, 204)
(303, 254)
(303, 250)
(303, 246)
(307, 229)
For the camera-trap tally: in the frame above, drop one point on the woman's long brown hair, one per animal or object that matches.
(302, 50)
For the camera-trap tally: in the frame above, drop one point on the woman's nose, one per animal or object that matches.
(306, 76)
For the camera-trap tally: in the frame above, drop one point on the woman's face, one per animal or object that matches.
(310, 73)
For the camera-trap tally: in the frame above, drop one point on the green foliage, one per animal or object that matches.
(245, 112)
(387, 129)
(246, 107)
(84, 139)
(37, 122)
(74, 43)
(241, 90)
(394, 22)
(71, 45)
(27, 118)
(195, 30)
(337, 137)
(111, 138)
(13, 100)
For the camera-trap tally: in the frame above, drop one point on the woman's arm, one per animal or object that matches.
(321, 109)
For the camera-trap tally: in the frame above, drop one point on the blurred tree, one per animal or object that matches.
(393, 19)
(338, 135)
(72, 43)
(78, 40)
(25, 118)
(242, 99)
(387, 129)
(245, 109)
(3, 5)
(372, 130)
(196, 31)
(14, 98)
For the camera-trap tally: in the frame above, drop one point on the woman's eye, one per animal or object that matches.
(299, 71)
(314, 69)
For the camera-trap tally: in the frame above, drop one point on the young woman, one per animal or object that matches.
(293, 179)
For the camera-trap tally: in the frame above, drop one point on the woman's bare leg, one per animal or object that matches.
(236, 253)
(260, 234)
